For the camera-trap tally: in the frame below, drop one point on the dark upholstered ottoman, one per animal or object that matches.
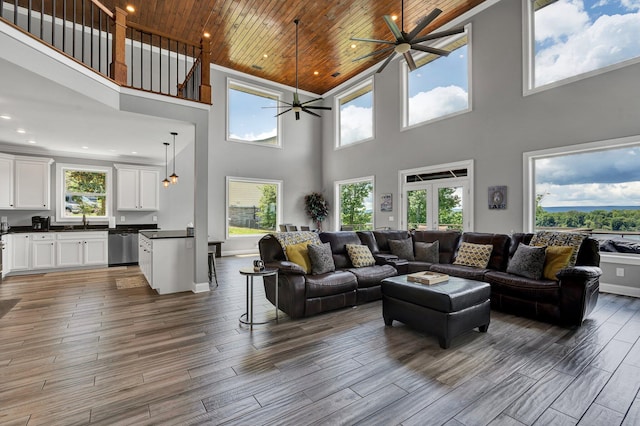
(446, 309)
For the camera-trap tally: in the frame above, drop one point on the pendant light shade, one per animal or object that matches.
(166, 181)
(174, 176)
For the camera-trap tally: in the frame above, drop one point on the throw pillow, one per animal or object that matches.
(299, 254)
(527, 261)
(402, 248)
(360, 255)
(475, 255)
(321, 258)
(558, 257)
(427, 252)
(554, 238)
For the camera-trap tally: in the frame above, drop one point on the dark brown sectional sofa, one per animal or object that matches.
(567, 300)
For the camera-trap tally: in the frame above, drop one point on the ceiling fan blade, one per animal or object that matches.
(370, 40)
(424, 22)
(410, 61)
(386, 62)
(394, 28)
(309, 112)
(286, 110)
(430, 50)
(318, 107)
(386, 49)
(297, 115)
(311, 101)
(439, 34)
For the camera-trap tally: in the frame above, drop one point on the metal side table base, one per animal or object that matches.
(250, 273)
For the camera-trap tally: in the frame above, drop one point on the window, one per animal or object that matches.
(439, 87)
(570, 38)
(253, 206)
(83, 190)
(354, 111)
(354, 204)
(251, 114)
(593, 187)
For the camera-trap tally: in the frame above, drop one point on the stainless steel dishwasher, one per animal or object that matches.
(123, 247)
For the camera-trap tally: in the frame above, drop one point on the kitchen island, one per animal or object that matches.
(166, 259)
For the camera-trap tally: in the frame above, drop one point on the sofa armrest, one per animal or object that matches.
(579, 287)
(286, 268)
(384, 258)
(291, 293)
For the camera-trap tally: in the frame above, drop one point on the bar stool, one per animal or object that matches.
(211, 258)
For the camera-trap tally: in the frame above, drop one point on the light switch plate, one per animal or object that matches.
(121, 218)
(154, 218)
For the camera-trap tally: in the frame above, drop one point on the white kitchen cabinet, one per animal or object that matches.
(167, 261)
(69, 253)
(145, 257)
(95, 251)
(82, 249)
(6, 254)
(20, 252)
(43, 251)
(32, 183)
(137, 188)
(6, 181)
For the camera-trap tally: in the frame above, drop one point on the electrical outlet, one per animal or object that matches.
(390, 218)
(121, 218)
(154, 218)
(619, 272)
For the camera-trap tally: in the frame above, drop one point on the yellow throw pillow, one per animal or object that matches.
(474, 255)
(557, 258)
(299, 254)
(360, 255)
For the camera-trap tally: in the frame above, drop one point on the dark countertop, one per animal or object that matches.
(79, 228)
(155, 235)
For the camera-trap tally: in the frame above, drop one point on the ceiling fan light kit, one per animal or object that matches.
(405, 42)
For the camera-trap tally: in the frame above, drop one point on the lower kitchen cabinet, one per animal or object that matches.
(20, 246)
(167, 263)
(43, 251)
(82, 249)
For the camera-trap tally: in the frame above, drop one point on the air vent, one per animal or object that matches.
(258, 67)
(335, 74)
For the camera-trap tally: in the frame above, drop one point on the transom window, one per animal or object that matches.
(83, 190)
(354, 204)
(253, 206)
(354, 110)
(570, 38)
(251, 114)
(439, 87)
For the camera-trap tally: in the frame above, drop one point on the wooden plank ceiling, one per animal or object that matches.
(257, 37)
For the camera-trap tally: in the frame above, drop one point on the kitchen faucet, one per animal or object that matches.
(85, 222)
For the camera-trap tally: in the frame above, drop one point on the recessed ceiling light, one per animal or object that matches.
(206, 35)
(5, 117)
(21, 131)
(31, 141)
(316, 73)
(265, 56)
(353, 46)
(85, 147)
(130, 8)
(394, 17)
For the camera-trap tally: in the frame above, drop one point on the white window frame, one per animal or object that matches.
(404, 84)
(528, 59)
(268, 93)
(366, 82)
(60, 191)
(279, 207)
(468, 200)
(336, 200)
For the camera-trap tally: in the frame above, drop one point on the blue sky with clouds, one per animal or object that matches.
(248, 120)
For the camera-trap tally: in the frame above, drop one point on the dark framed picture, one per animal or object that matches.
(497, 197)
(386, 203)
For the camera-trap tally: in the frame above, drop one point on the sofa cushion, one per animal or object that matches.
(468, 272)
(299, 254)
(527, 261)
(557, 258)
(540, 291)
(321, 258)
(475, 255)
(338, 241)
(500, 254)
(427, 252)
(330, 284)
(553, 238)
(370, 276)
(384, 236)
(402, 248)
(360, 255)
(447, 240)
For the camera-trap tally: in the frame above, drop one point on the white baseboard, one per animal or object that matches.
(622, 290)
(200, 287)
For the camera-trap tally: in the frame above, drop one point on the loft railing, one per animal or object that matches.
(129, 54)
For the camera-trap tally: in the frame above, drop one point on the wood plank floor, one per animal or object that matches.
(75, 350)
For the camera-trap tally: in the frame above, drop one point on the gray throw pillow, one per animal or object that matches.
(402, 248)
(527, 261)
(427, 252)
(321, 258)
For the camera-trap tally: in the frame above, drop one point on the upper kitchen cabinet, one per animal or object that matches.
(138, 188)
(25, 182)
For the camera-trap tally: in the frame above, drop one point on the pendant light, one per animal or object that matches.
(174, 176)
(166, 181)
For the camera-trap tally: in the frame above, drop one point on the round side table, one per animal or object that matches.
(250, 273)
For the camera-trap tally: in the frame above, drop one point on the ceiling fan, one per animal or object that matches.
(297, 106)
(404, 42)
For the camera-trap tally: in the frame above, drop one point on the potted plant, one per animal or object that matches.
(316, 208)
